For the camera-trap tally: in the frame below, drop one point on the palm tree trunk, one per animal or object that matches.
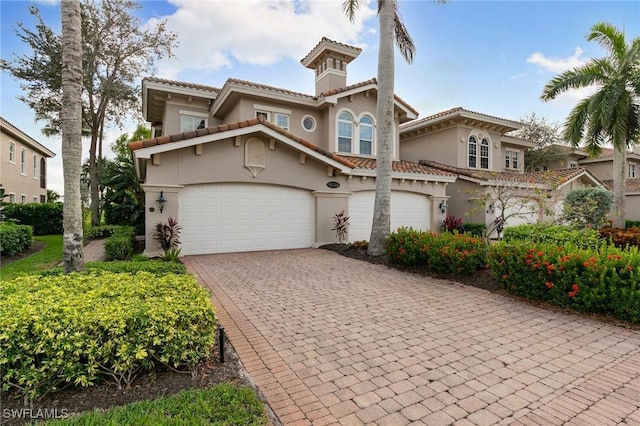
(619, 185)
(385, 123)
(71, 116)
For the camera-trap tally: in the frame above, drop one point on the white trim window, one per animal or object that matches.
(189, 123)
(35, 166)
(282, 120)
(266, 115)
(632, 170)
(308, 123)
(365, 132)
(484, 154)
(12, 197)
(345, 132)
(573, 165)
(35, 199)
(472, 152)
(511, 159)
(12, 152)
(23, 161)
(23, 198)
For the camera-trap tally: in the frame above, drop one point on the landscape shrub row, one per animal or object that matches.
(14, 238)
(473, 228)
(632, 223)
(155, 267)
(602, 280)
(445, 252)
(120, 245)
(621, 237)
(82, 328)
(555, 234)
(102, 231)
(46, 219)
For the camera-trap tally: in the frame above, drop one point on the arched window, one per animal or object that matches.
(484, 153)
(473, 151)
(345, 132)
(366, 135)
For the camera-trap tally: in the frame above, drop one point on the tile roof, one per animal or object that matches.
(453, 112)
(361, 84)
(550, 177)
(356, 50)
(633, 185)
(397, 166)
(233, 126)
(245, 83)
(182, 84)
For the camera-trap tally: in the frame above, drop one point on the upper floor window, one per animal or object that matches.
(573, 164)
(12, 152)
(632, 170)
(189, 123)
(473, 151)
(265, 115)
(484, 153)
(308, 123)
(43, 173)
(23, 199)
(366, 135)
(511, 160)
(345, 132)
(282, 120)
(23, 161)
(12, 198)
(35, 166)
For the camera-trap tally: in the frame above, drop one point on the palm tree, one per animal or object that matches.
(71, 125)
(391, 29)
(612, 113)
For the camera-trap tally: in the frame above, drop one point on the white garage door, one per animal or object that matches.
(221, 218)
(407, 209)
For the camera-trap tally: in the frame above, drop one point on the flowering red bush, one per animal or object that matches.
(603, 280)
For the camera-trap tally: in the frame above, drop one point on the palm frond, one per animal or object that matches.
(592, 73)
(575, 124)
(610, 38)
(350, 7)
(403, 39)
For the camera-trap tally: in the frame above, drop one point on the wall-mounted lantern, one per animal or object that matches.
(161, 201)
(492, 207)
(443, 207)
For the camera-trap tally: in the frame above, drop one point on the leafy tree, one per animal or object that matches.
(612, 113)
(548, 138)
(124, 198)
(71, 127)
(587, 207)
(391, 30)
(117, 50)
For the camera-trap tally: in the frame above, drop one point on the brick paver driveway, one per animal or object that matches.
(331, 340)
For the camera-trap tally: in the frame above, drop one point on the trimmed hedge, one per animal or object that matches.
(81, 328)
(120, 245)
(473, 228)
(98, 232)
(552, 234)
(445, 252)
(155, 267)
(14, 238)
(632, 223)
(602, 280)
(46, 219)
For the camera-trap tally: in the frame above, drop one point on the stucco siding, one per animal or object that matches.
(13, 180)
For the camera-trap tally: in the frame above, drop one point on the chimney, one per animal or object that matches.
(329, 60)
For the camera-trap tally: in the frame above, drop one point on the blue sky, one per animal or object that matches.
(492, 57)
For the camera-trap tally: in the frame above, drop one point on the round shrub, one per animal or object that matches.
(587, 207)
(14, 238)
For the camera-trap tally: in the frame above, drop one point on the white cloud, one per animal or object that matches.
(558, 65)
(518, 76)
(212, 34)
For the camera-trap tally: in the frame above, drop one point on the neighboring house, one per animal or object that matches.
(602, 167)
(23, 170)
(490, 168)
(254, 167)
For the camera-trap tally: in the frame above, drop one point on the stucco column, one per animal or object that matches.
(327, 205)
(152, 214)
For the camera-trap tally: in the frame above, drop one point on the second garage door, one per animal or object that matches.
(407, 209)
(220, 218)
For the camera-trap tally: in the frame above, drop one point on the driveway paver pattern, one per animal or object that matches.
(332, 340)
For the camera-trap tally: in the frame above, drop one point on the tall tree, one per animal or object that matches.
(117, 50)
(612, 113)
(548, 138)
(391, 29)
(71, 126)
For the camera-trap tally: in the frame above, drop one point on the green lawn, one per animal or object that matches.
(222, 404)
(50, 256)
